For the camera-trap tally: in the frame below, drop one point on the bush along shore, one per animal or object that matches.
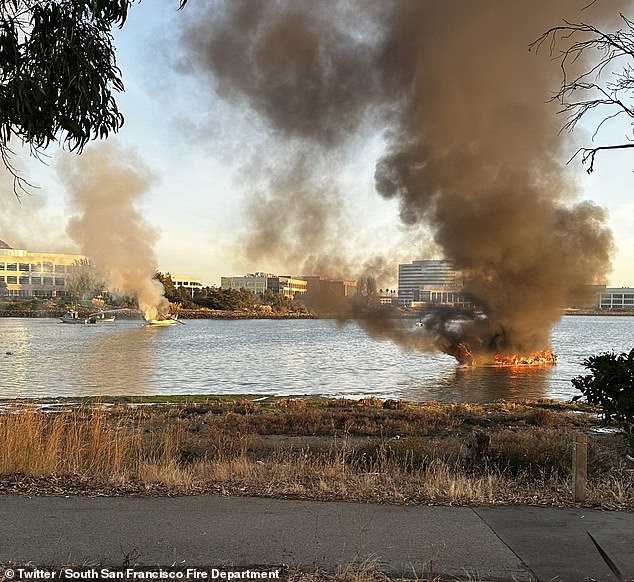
(368, 450)
(52, 309)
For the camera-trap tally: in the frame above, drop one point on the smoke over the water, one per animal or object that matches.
(472, 147)
(104, 184)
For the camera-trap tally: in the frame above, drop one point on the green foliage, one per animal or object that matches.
(58, 72)
(168, 285)
(225, 299)
(83, 280)
(610, 385)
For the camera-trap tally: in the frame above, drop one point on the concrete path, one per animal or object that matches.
(509, 543)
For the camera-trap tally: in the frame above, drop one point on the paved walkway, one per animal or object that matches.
(509, 543)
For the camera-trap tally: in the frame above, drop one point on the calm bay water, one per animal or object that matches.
(275, 357)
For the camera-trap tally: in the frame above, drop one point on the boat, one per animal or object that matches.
(163, 322)
(71, 316)
(101, 317)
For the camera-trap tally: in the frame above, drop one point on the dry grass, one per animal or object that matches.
(363, 451)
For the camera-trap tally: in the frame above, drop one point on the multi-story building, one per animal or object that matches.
(330, 287)
(259, 283)
(422, 280)
(255, 282)
(617, 298)
(28, 274)
(186, 282)
(585, 297)
(287, 286)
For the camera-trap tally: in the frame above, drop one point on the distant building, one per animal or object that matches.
(431, 296)
(29, 274)
(256, 282)
(331, 287)
(430, 281)
(286, 286)
(585, 296)
(617, 298)
(259, 283)
(186, 282)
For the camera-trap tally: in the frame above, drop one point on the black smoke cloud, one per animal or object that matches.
(473, 150)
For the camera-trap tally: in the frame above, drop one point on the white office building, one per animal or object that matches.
(617, 298)
(417, 278)
(31, 274)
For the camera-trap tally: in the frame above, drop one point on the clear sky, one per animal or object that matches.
(193, 141)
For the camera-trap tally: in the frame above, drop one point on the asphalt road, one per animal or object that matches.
(508, 543)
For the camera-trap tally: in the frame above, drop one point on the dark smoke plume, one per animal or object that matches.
(472, 147)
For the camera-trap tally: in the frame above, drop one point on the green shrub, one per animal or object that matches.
(610, 385)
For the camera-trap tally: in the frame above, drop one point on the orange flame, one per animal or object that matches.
(540, 358)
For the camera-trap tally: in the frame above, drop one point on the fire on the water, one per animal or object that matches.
(463, 354)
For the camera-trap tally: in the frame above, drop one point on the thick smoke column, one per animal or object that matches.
(472, 147)
(104, 184)
(475, 153)
(297, 65)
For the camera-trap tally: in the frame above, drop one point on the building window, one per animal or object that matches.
(60, 281)
(11, 280)
(24, 267)
(12, 267)
(48, 281)
(24, 280)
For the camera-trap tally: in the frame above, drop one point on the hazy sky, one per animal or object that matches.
(198, 147)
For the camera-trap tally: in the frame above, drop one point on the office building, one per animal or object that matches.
(186, 282)
(29, 274)
(617, 298)
(286, 286)
(422, 280)
(259, 283)
(318, 285)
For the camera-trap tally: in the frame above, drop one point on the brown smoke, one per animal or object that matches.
(104, 184)
(472, 146)
(25, 223)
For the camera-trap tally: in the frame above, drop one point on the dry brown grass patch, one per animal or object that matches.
(418, 454)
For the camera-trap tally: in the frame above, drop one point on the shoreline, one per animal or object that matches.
(241, 314)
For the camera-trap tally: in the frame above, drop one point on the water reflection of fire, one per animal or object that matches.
(539, 358)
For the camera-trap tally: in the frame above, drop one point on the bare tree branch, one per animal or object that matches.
(588, 154)
(605, 85)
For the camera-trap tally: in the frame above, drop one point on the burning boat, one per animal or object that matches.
(465, 357)
(164, 322)
(539, 358)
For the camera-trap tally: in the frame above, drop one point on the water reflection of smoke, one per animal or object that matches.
(120, 361)
(483, 384)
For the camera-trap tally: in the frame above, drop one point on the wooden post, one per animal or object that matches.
(580, 468)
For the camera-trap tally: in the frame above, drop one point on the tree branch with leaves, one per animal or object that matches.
(605, 85)
(58, 74)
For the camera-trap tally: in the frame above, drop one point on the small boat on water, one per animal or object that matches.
(163, 322)
(72, 316)
(101, 317)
